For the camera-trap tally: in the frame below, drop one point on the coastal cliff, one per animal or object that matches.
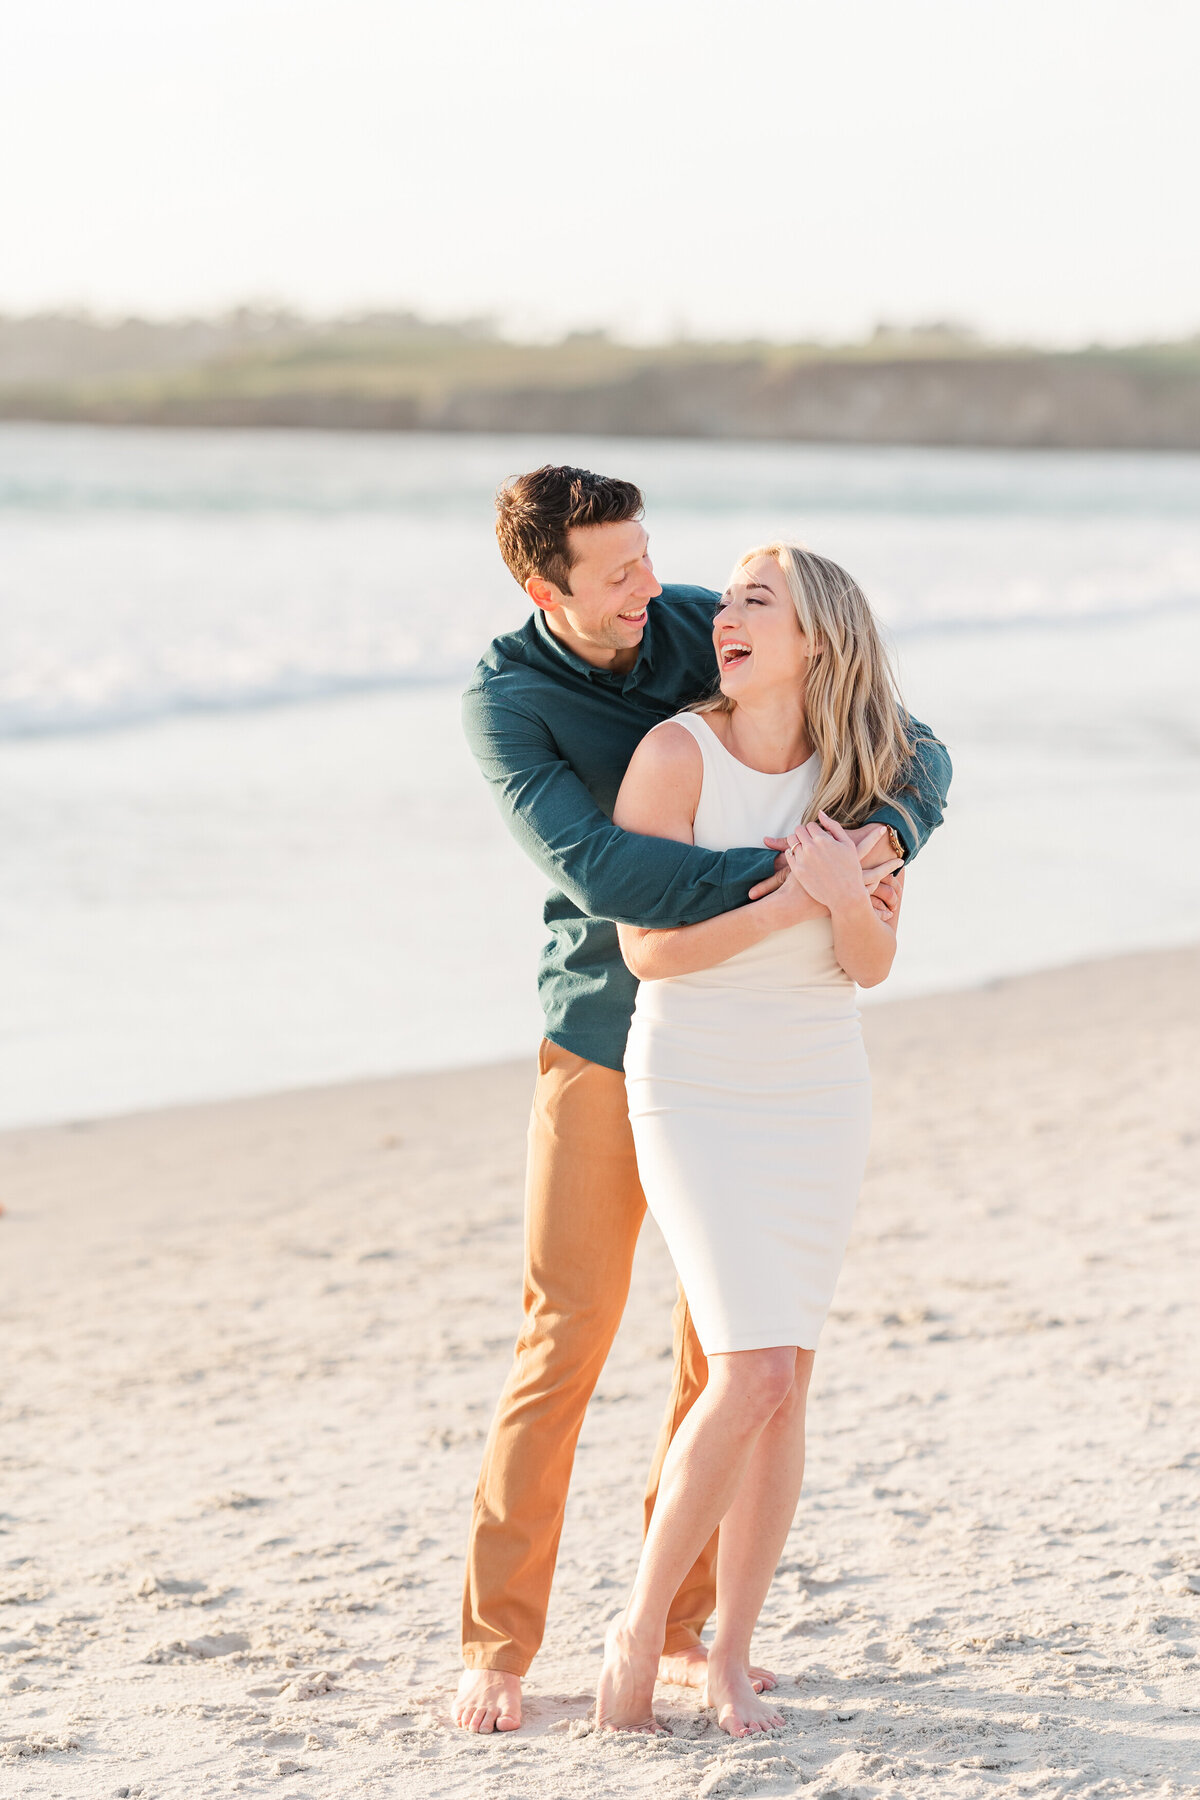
(395, 373)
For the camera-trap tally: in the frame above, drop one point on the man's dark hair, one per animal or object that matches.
(534, 513)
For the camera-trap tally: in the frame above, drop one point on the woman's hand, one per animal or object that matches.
(825, 860)
(877, 861)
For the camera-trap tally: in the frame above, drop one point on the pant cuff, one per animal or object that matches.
(679, 1637)
(505, 1662)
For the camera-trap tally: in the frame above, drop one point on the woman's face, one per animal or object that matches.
(756, 633)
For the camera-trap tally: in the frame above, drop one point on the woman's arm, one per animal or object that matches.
(658, 798)
(825, 859)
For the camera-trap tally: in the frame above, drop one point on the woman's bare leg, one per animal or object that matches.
(753, 1533)
(705, 1465)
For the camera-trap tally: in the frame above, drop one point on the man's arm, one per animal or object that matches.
(607, 873)
(930, 780)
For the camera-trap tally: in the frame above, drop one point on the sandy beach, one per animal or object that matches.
(251, 1350)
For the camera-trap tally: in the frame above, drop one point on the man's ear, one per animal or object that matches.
(543, 593)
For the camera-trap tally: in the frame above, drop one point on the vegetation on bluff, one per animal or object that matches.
(395, 371)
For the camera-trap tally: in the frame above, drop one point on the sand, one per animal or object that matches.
(250, 1351)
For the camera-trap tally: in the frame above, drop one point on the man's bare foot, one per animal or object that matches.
(739, 1710)
(689, 1668)
(625, 1695)
(488, 1700)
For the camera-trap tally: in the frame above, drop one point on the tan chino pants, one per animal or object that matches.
(583, 1210)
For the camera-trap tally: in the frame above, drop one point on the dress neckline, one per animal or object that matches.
(765, 774)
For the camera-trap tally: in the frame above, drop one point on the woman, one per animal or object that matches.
(747, 1079)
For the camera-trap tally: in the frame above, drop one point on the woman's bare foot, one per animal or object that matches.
(488, 1700)
(739, 1710)
(625, 1694)
(689, 1668)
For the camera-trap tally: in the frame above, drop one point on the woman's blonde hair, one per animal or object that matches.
(859, 726)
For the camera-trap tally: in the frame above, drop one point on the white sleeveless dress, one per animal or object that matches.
(750, 1097)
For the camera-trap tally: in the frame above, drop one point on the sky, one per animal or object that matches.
(653, 167)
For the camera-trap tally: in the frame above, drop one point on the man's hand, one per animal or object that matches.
(887, 897)
(865, 838)
(790, 902)
(762, 888)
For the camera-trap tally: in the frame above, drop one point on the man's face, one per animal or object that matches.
(612, 583)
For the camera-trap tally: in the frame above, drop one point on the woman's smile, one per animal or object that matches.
(734, 651)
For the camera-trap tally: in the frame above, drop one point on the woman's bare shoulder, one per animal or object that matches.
(667, 748)
(662, 783)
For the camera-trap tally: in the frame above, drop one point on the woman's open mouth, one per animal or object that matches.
(733, 653)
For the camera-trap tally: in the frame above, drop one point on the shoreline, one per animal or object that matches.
(318, 421)
(503, 1069)
(254, 1348)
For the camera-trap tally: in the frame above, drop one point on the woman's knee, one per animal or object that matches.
(760, 1381)
(795, 1402)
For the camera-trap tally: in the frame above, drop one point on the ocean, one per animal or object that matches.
(245, 847)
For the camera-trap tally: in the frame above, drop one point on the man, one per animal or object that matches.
(553, 714)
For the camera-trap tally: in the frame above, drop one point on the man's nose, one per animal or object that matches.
(649, 585)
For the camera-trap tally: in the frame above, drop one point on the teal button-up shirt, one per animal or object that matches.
(554, 736)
